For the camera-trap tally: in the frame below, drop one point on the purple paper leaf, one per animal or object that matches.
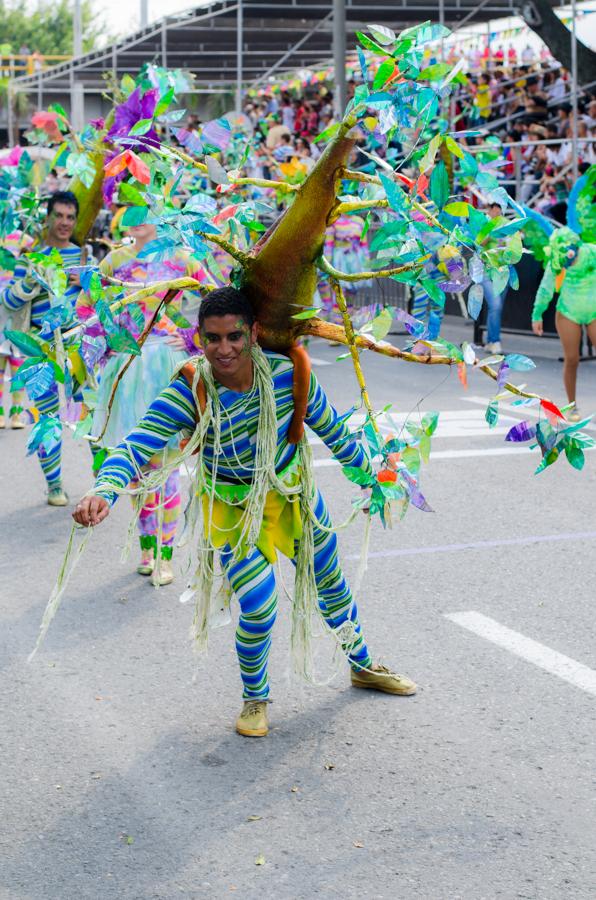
(413, 326)
(523, 431)
(502, 374)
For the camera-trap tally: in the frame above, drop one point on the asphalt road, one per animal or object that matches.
(122, 777)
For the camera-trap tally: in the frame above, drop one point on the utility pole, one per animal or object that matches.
(77, 112)
(339, 58)
(144, 18)
(239, 55)
(574, 88)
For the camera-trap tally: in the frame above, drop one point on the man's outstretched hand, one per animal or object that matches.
(91, 511)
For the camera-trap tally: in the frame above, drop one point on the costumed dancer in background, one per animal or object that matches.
(25, 295)
(9, 359)
(571, 270)
(347, 251)
(255, 494)
(444, 273)
(9, 355)
(166, 347)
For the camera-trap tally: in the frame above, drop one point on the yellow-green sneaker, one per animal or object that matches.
(383, 679)
(57, 497)
(252, 721)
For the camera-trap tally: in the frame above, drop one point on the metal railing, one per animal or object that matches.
(14, 64)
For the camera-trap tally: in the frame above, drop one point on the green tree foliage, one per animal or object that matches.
(46, 26)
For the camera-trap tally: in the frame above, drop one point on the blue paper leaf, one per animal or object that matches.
(475, 298)
(519, 363)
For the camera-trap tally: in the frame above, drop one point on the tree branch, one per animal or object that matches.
(334, 273)
(318, 328)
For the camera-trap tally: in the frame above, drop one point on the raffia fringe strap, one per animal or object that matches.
(69, 563)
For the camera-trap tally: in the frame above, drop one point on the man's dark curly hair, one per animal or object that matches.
(65, 197)
(226, 301)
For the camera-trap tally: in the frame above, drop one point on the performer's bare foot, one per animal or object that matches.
(383, 679)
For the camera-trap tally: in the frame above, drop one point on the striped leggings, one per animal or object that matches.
(49, 405)
(253, 581)
(17, 396)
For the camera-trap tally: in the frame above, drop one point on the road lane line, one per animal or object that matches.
(481, 545)
(540, 655)
(523, 411)
(452, 454)
(444, 454)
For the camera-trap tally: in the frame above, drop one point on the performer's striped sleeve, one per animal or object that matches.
(20, 289)
(172, 411)
(324, 420)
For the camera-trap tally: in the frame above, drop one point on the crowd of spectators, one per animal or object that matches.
(525, 100)
(530, 108)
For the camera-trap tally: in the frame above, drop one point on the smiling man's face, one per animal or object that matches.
(61, 222)
(227, 342)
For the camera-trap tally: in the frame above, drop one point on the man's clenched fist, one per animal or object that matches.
(91, 511)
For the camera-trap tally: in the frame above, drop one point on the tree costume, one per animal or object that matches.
(279, 272)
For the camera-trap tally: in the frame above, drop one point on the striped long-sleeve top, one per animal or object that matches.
(175, 411)
(22, 289)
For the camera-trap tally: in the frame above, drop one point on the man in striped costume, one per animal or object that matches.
(228, 335)
(30, 304)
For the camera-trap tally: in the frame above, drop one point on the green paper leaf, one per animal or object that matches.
(439, 185)
(175, 316)
(308, 313)
(135, 215)
(424, 447)
(429, 156)
(58, 373)
(434, 72)
(453, 147)
(127, 84)
(98, 459)
(369, 44)
(550, 458)
(164, 103)
(411, 459)
(429, 422)
(26, 343)
(328, 133)
(492, 413)
(141, 127)
(357, 475)
(385, 71)
(575, 455)
(382, 34)
(128, 193)
(459, 209)
(83, 426)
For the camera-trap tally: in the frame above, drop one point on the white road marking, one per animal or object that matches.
(320, 362)
(540, 655)
(524, 412)
(480, 545)
(453, 423)
(451, 454)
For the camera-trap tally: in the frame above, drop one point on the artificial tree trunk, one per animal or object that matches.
(542, 19)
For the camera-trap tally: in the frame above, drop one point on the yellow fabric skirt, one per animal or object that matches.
(281, 526)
